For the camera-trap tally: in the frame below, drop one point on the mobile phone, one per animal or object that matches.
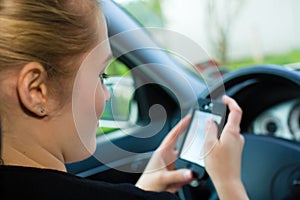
(191, 151)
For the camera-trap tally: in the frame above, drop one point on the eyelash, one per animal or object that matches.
(103, 76)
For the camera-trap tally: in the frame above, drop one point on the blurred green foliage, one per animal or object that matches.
(117, 68)
(280, 59)
(147, 12)
(105, 130)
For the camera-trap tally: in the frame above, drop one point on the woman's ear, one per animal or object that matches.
(32, 89)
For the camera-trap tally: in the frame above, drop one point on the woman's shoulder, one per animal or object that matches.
(35, 183)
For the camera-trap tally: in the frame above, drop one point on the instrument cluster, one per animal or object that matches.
(282, 120)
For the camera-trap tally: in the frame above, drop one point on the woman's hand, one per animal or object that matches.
(223, 163)
(159, 174)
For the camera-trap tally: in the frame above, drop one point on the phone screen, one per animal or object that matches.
(192, 149)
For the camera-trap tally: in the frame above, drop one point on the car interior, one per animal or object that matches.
(164, 92)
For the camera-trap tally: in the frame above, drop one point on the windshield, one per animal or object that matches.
(233, 33)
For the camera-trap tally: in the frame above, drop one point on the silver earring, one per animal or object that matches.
(43, 110)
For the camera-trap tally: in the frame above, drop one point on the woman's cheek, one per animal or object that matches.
(100, 100)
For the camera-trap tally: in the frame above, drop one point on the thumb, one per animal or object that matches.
(171, 139)
(178, 177)
(211, 135)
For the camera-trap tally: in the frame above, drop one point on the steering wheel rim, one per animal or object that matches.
(270, 177)
(264, 174)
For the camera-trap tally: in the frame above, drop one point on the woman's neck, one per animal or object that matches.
(30, 155)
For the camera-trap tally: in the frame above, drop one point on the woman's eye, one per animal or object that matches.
(103, 76)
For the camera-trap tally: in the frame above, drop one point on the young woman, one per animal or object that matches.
(51, 52)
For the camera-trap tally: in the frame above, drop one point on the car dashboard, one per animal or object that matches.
(281, 120)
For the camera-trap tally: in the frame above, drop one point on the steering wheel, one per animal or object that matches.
(270, 165)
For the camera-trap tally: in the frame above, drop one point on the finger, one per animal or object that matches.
(211, 134)
(174, 188)
(177, 177)
(171, 139)
(235, 114)
(242, 140)
(234, 117)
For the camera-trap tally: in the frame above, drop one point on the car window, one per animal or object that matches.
(121, 109)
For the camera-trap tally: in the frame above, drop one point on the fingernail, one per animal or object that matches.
(208, 125)
(187, 174)
(209, 121)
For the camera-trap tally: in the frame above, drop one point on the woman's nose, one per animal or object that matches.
(106, 93)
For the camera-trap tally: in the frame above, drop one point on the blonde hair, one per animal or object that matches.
(50, 32)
